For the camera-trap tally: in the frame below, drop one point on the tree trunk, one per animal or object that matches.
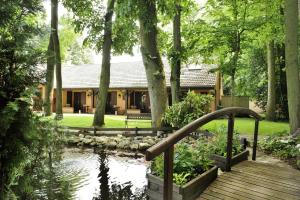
(232, 82)
(54, 33)
(105, 67)
(236, 50)
(49, 78)
(271, 103)
(176, 57)
(152, 61)
(291, 56)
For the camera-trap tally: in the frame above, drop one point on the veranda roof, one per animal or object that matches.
(132, 75)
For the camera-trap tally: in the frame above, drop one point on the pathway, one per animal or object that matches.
(255, 180)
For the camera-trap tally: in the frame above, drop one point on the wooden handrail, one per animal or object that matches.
(163, 145)
(167, 145)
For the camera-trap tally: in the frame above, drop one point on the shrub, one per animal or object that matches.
(189, 162)
(283, 147)
(218, 143)
(191, 108)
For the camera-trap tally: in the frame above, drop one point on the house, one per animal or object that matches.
(128, 91)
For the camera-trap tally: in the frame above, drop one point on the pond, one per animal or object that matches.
(103, 176)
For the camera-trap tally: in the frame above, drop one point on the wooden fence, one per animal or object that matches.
(238, 101)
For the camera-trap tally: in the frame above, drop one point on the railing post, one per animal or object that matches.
(230, 129)
(168, 173)
(255, 139)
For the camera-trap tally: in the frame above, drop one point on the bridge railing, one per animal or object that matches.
(166, 146)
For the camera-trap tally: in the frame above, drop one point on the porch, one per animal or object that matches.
(119, 101)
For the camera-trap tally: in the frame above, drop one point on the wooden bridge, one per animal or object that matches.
(247, 180)
(255, 180)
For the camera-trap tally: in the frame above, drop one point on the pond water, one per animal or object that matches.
(103, 176)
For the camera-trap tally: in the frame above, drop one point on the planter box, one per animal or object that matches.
(220, 161)
(189, 191)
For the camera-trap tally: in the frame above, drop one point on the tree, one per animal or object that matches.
(21, 131)
(171, 43)
(271, 103)
(220, 34)
(176, 57)
(49, 78)
(152, 61)
(106, 34)
(291, 56)
(105, 67)
(56, 48)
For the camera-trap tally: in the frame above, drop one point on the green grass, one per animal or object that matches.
(244, 126)
(111, 121)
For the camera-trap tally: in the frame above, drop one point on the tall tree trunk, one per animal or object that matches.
(54, 33)
(176, 55)
(232, 82)
(291, 56)
(152, 61)
(49, 78)
(282, 92)
(236, 50)
(105, 67)
(271, 103)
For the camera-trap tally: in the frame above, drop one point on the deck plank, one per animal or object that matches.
(255, 180)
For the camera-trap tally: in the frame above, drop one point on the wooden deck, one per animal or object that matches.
(255, 180)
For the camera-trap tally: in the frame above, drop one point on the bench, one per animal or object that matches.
(136, 117)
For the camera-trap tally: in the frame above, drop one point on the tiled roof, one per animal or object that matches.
(132, 75)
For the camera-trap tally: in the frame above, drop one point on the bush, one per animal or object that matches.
(189, 162)
(283, 147)
(191, 108)
(192, 156)
(218, 143)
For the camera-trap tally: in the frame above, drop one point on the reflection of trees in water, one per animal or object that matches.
(55, 182)
(115, 191)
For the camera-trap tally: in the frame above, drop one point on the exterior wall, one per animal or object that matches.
(121, 99)
(42, 88)
(213, 103)
(64, 98)
(89, 98)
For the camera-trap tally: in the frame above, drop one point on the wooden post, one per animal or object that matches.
(255, 139)
(230, 129)
(168, 173)
(136, 130)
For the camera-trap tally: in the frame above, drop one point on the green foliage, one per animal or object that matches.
(189, 162)
(26, 142)
(89, 17)
(285, 147)
(191, 108)
(181, 179)
(218, 143)
(19, 56)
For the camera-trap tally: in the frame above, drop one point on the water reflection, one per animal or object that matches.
(107, 177)
(115, 191)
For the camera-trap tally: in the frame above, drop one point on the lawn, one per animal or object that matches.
(111, 121)
(244, 126)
